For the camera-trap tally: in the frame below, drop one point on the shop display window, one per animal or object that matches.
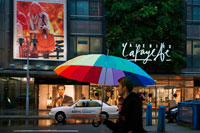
(55, 95)
(110, 94)
(13, 93)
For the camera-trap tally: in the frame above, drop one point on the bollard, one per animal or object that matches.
(161, 118)
(149, 115)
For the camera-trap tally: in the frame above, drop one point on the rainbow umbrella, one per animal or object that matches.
(103, 69)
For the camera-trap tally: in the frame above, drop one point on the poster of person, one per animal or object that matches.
(62, 99)
(55, 95)
(42, 25)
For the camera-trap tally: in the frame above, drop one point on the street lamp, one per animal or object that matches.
(21, 41)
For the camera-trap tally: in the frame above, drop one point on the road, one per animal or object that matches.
(10, 126)
(75, 126)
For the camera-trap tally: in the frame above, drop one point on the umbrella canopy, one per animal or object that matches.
(102, 69)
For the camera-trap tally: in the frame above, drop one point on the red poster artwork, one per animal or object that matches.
(41, 25)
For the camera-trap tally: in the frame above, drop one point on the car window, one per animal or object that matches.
(93, 104)
(81, 104)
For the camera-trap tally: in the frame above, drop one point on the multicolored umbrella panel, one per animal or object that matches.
(102, 69)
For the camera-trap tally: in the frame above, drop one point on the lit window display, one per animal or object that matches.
(55, 95)
(61, 95)
(110, 93)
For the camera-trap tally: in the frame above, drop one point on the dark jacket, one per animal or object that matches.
(66, 100)
(130, 117)
(112, 126)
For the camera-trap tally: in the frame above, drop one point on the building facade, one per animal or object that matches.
(78, 27)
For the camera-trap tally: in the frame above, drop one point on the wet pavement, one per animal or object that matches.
(72, 125)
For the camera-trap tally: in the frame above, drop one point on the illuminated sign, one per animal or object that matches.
(141, 52)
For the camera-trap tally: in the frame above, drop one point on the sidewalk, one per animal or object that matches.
(171, 128)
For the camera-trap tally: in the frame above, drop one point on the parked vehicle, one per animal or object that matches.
(171, 114)
(83, 109)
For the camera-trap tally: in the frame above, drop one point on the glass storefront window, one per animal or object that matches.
(188, 94)
(197, 93)
(55, 95)
(110, 94)
(60, 95)
(13, 93)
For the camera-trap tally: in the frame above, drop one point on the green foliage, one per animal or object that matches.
(147, 22)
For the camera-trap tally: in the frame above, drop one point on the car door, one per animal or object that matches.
(93, 108)
(78, 109)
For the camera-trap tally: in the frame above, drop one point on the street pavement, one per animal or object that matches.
(10, 126)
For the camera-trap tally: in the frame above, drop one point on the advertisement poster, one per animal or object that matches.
(42, 25)
(55, 96)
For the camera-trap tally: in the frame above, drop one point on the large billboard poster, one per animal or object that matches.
(42, 25)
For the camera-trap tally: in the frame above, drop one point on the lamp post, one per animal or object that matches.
(21, 41)
(28, 79)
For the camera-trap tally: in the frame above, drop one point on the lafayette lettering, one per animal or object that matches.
(150, 55)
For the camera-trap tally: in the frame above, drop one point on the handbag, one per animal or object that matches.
(45, 43)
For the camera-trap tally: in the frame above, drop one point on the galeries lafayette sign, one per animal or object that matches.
(146, 53)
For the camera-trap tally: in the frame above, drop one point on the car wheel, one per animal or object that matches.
(60, 117)
(105, 115)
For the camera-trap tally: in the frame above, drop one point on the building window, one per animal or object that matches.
(86, 26)
(96, 45)
(86, 7)
(87, 45)
(72, 7)
(95, 8)
(196, 13)
(196, 2)
(82, 45)
(82, 7)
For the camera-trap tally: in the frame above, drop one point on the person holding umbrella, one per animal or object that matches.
(110, 124)
(130, 116)
(107, 70)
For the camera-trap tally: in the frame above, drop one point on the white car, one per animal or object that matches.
(83, 109)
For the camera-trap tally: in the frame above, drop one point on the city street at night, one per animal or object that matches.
(100, 66)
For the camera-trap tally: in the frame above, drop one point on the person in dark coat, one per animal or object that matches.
(130, 116)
